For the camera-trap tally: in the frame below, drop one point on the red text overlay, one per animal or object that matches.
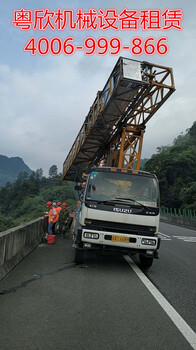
(101, 46)
(94, 20)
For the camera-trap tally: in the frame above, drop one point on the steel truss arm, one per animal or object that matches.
(113, 130)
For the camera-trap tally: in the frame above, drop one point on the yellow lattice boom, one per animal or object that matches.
(112, 133)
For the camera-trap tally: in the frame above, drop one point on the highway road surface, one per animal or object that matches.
(49, 302)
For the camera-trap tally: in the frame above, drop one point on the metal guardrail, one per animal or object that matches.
(180, 213)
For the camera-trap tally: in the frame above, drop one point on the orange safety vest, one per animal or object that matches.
(58, 209)
(53, 215)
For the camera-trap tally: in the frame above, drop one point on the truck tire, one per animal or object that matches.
(145, 262)
(79, 256)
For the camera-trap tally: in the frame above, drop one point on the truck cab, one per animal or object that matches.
(119, 213)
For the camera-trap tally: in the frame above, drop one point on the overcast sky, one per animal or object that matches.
(44, 99)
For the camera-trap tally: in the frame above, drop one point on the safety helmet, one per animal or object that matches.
(64, 204)
(49, 204)
(54, 204)
(59, 203)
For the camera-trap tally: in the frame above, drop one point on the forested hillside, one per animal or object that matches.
(26, 198)
(175, 167)
(10, 168)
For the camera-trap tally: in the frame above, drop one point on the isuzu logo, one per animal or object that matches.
(123, 210)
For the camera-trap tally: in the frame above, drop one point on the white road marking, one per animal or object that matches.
(161, 233)
(186, 238)
(190, 239)
(179, 322)
(164, 237)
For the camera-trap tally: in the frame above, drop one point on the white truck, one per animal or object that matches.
(120, 206)
(119, 213)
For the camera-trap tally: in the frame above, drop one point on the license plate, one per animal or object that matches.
(121, 239)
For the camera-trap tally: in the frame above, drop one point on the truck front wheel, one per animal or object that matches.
(79, 256)
(145, 262)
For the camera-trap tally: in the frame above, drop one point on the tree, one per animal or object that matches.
(5, 223)
(53, 171)
(175, 167)
(192, 133)
(39, 173)
(26, 198)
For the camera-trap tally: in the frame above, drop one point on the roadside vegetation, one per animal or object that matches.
(175, 167)
(25, 199)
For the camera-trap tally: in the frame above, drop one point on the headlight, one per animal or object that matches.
(91, 235)
(148, 241)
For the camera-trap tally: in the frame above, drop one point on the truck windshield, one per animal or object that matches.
(110, 186)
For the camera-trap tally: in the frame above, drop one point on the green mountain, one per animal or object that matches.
(10, 168)
(175, 167)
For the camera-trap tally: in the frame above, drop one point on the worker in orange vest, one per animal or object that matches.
(52, 217)
(56, 226)
(63, 220)
(59, 207)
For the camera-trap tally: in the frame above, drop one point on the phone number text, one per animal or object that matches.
(101, 46)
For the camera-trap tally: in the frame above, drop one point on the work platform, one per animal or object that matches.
(113, 129)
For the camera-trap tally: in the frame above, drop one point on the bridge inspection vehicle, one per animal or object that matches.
(120, 203)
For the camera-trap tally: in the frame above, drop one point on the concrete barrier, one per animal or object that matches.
(188, 223)
(18, 242)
